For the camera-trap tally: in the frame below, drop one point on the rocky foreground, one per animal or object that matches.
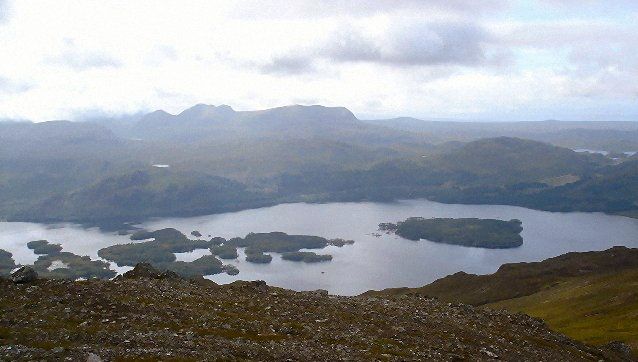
(153, 316)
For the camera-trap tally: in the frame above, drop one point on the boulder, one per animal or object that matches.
(142, 270)
(319, 293)
(92, 357)
(25, 274)
(146, 270)
(619, 347)
(169, 274)
(259, 285)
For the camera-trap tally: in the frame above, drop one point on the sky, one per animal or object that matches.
(503, 60)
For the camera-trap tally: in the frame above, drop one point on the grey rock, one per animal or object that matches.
(142, 270)
(169, 274)
(260, 285)
(146, 270)
(92, 357)
(618, 346)
(24, 275)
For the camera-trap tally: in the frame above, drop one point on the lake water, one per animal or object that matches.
(372, 262)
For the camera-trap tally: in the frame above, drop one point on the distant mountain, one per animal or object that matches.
(506, 171)
(596, 135)
(191, 120)
(140, 194)
(462, 127)
(494, 163)
(611, 189)
(64, 170)
(33, 139)
(504, 160)
(222, 124)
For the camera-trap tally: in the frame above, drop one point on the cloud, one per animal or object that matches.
(560, 34)
(409, 44)
(596, 58)
(8, 86)
(390, 57)
(604, 5)
(288, 65)
(421, 44)
(4, 10)
(81, 58)
(161, 53)
(356, 8)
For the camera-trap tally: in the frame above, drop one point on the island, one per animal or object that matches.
(160, 252)
(473, 232)
(306, 257)
(158, 248)
(257, 257)
(224, 251)
(43, 247)
(7, 264)
(55, 263)
(290, 246)
(65, 265)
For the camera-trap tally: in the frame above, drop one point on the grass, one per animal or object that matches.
(593, 309)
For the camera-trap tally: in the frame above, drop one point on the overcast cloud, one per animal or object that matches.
(4, 11)
(494, 59)
(281, 9)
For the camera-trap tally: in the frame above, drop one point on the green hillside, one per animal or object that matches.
(590, 296)
(522, 279)
(595, 309)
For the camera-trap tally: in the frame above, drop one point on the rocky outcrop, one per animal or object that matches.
(146, 270)
(619, 348)
(24, 275)
(140, 317)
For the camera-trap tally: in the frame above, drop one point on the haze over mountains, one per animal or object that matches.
(212, 122)
(617, 136)
(215, 159)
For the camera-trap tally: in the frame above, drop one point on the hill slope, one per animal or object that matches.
(590, 308)
(147, 316)
(521, 279)
(591, 296)
(490, 170)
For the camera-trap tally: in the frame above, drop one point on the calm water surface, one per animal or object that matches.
(372, 262)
